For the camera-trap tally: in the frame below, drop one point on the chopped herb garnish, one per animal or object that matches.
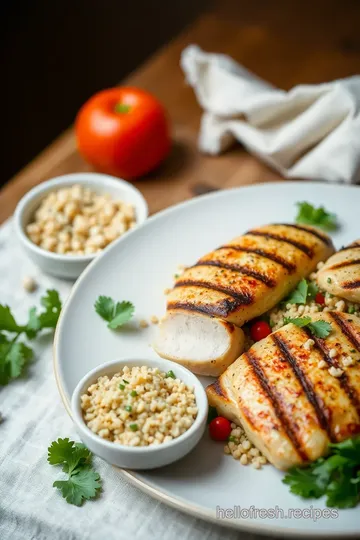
(133, 393)
(125, 381)
(170, 374)
(320, 329)
(353, 351)
(115, 313)
(128, 408)
(336, 476)
(122, 386)
(232, 438)
(134, 427)
(176, 276)
(320, 217)
(303, 292)
(329, 280)
(351, 310)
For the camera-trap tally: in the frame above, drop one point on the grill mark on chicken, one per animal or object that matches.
(345, 329)
(355, 245)
(290, 267)
(298, 245)
(242, 298)
(343, 380)
(351, 284)
(220, 309)
(307, 386)
(279, 412)
(241, 269)
(344, 264)
(324, 238)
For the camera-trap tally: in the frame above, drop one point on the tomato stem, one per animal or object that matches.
(122, 108)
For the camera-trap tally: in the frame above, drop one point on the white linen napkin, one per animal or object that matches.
(312, 131)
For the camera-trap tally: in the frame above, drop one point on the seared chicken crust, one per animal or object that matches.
(251, 274)
(340, 275)
(292, 399)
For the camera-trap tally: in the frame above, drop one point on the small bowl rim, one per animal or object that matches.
(91, 375)
(97, 179)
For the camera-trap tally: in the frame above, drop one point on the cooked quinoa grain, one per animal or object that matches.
(139, 406)
(242, 449)
(75, 220)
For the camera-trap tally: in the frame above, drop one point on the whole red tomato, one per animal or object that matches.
(123, 131)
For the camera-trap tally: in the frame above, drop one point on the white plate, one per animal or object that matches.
(138, 268)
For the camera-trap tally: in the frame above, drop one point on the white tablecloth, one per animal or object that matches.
(33, 416)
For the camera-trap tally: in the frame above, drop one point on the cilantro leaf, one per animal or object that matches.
(303, 483)
(318, 216)
(15, 355)
(116, 314)
(13, 359)
(83, 481)
(305, 291)
(299, 321)
(82, 485)
(299, 294)
(320, 329)
(105, 307)
(52, 304)
(336, 476)
(7, 320)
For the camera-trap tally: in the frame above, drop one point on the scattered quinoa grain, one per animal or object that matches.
(322, 364)
(29, 284)
(154, 319)
(143, 323)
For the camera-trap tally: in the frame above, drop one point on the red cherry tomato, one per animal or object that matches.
(220, 429)
(320, 298)
(259, 330)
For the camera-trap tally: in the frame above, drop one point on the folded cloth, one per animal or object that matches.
(312, 131)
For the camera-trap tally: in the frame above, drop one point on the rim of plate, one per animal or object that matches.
(177, 502)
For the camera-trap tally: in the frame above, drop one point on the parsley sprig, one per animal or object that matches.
(320, 329)
(320, 217)
(83, 482)
(115, 313)
(15, 354)
(336, 476)
(305, 291)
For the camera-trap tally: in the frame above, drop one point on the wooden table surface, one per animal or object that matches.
(285, 42)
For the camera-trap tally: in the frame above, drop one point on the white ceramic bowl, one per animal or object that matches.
(141, 457)
(71, 266)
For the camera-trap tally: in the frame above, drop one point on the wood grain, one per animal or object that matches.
(285, 42)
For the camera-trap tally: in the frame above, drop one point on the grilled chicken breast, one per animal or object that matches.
(290, 406)
(251, 274)
(340, 275)
(235, 283)
(205, 345)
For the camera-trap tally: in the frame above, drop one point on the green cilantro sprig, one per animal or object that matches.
(320, 217)
(15, 355)
(336, 476)
(305, 291)
(115, 313)
(83, 482)
(320, 329)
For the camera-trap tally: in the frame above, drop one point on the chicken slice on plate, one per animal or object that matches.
(294, 396)
(235, 283)
(340, 275)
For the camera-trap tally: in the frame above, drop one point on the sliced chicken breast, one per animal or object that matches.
(251, 274)
(340, 275)
(205, 345)
(293, 396)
